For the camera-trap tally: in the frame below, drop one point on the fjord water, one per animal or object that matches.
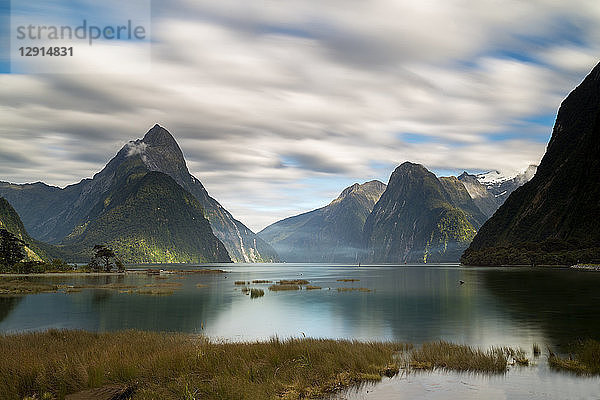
(412, 303)
(517, 306)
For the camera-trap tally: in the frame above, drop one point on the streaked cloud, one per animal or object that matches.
(279, 105)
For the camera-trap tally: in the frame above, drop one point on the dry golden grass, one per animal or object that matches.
(584, 360)
(261, 281)
(293, 282)
(310, 287)
(254, 293)
(458, 357)
(24, 286)
(278, 287)
(239, 282)
(353, 289)
(178, 366)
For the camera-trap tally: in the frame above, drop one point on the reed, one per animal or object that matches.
(458, 357)
(178, 366)
(585, 359)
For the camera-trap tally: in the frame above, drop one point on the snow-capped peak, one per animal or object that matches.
(492, 177)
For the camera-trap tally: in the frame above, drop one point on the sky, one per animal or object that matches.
(280, 105)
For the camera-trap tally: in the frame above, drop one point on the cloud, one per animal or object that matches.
(279, 105)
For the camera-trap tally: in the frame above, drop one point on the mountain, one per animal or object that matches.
(329, 234)
(489, 190)
(54, 215)
(553, 218)
(420, 218)
(145, 216)
(160, 152)
(10, 220)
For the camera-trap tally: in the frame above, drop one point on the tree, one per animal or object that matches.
(105, 258)
(11, 248)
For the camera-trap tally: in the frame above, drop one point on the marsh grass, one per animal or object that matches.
(261, 281)
(23, 286)
(255, 293)
(353, 289)
(279, 287)
(310, 287)
(155, 291)
(458, 357)
(348, 280)
(178, 366)
(536, 350)
(584, 360)
(293, 282)
(201, 285)
(239, 283)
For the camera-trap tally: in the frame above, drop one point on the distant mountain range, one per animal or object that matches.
(329, 234)
(553, 218)
(417, 217)
(145, 204)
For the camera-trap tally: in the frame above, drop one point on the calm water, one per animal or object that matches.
(515, 307)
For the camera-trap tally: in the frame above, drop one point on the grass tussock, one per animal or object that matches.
(584, 360)
(170, 285)
(293, 282)
(21, 286)
(178, 366)
(155, 291)
(458, 357)
(239, 283)
(255, 293)
(311, 287)
(276, 288)
(348, 280)
(261, 281)
(536, 350)
(353, 289)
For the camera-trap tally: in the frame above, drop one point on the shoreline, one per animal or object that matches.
(166, 365)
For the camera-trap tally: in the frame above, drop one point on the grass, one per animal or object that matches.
(348, 280)
(353, 289)
(239, 282)
(536, 350)
(20, 286)
(261, 281)
(584, 360)
(293, 282)
(458, 357)
(276, 288)
(310, 287)
(254, 293)
(178, 366)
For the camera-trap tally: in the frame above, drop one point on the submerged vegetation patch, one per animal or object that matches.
(276, 288)
(584, 359)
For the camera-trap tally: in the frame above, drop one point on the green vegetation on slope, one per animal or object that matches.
(147, 217)
(420, 218)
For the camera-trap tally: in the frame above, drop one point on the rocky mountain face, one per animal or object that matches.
(490, 190)
(553, 218)
(420, 218)
(329, 234)
(55, 215)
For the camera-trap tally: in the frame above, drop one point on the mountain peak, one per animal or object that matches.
(159, 136)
